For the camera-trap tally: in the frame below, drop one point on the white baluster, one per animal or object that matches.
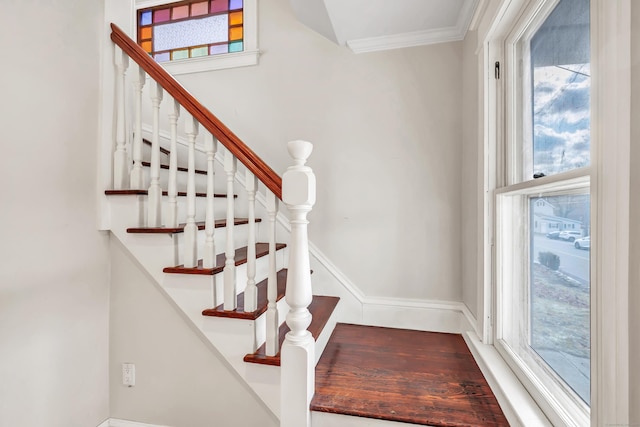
(251, 292)
(273, 320)
(297, 354)
(154, 218)
(137, 174)
(209, 258)
(191, 229)
(120, 157)
(230, 300)
(172, 189)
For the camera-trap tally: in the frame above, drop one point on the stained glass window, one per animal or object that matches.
(191, 29)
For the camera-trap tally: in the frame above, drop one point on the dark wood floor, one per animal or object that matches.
(416, 377)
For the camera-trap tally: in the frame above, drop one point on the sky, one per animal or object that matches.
(561, 118)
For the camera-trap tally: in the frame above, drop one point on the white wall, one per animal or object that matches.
(180, 381)
(54, 268)
(634, 214)
(387, 135)
(471, 141)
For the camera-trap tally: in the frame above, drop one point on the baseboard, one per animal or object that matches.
(516, 403)
(113, 422)
(424, 315)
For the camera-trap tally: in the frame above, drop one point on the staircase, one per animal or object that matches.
(224, 260)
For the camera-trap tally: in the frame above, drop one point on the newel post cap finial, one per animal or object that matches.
(300, 151)
(299, 182)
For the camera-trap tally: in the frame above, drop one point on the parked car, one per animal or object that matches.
(570, 236)
(584, 243)
(553, 235)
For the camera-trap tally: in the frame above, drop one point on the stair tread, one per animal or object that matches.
(239, 312)
(321, 308)
(402, 375)
(135, 192)
(180, 168)
(240, 258)
(219, 223)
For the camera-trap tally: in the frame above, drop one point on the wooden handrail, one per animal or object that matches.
(206, 118)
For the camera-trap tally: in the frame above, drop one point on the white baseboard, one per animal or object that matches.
(516, 403)
(113, 422)
(423, 315)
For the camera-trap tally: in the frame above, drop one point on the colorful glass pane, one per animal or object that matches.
(235, 18)
(162, 57)
(180, 12)
(235, 4)
(235, 33)
(219, 48)
(219, 6)
(146, 33)
(198, 9)
(162, 15)
(146, 46)
(180, 54)
(199, 51)
(235, 47)
(145, 18)
(191, 33)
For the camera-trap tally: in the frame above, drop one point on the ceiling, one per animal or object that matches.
(372, 25)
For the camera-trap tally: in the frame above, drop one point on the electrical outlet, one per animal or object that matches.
(128, 374)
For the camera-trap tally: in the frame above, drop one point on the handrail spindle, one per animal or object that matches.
(251, 292)
(154, 218)
(137, 174)
(120, 157)
(172, 188)
(273, 320)
(230, 289)
(209, 258)
(191, 228)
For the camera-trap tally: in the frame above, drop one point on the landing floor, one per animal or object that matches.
(424, 378)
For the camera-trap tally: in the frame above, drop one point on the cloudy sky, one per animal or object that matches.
(561, 118)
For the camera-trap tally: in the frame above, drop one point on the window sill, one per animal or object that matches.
(516, 403)
(211, 63)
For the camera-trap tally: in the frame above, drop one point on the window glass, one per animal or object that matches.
(561, 82)
(559, 287)
(191, 29)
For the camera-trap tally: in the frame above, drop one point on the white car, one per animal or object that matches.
(584, 243)
(569, 235)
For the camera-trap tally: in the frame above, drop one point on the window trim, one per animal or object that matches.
(248, 57)
(610, 189)
(557, 401)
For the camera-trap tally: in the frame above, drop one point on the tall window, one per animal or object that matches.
(543, 208)
(191, 29)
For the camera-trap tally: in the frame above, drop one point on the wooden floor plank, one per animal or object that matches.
(424, 378)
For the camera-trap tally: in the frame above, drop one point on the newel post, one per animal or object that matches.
(298, 350)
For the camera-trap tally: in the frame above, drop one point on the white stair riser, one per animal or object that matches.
(324, 419)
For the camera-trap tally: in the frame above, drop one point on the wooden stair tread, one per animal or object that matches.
(240, 258)
(239, 312)
(321, 308)
(164, 193)
(401, 375)
(219, 223)
(180, 168)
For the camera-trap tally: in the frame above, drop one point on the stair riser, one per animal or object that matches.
(198, 288)
(181, 184)
(323, 419)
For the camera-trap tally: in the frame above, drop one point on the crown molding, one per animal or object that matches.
(418, 38)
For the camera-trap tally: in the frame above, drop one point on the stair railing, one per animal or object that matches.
(297, 191)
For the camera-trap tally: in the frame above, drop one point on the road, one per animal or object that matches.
(573, 262)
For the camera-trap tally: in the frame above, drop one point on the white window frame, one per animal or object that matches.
(610, 103)
(249, 56)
